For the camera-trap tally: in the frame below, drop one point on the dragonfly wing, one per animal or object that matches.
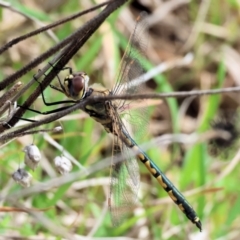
(131, 67)
(132, 167)
(125, 181)
(125, 178)
(129, 79)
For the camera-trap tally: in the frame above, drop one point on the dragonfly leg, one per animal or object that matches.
(62, 89)
(49, 103)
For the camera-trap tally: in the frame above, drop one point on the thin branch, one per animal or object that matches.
(89, 100)
(80, 37)
(86, 29)
(170, 95)
(8, 97)
(10, 7)
(45, 28)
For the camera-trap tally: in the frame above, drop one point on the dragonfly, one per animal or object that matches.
(124, 175)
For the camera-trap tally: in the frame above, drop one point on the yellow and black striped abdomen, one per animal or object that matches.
(166, 184)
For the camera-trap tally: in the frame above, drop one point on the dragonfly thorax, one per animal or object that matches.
(99, 110)
(76, 85)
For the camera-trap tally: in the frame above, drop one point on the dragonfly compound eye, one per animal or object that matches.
(77, 85)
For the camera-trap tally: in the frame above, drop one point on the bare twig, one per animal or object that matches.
(84, 33)
(45, 28)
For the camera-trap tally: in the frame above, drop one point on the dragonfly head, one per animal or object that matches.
(76, 85)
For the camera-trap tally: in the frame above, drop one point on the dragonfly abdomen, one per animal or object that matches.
(172, 191)
(166, 184)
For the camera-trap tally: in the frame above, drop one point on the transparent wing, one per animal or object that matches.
(124, 184)
(125, 178)
(131, 67)
(129, 79)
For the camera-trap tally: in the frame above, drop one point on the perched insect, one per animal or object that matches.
(125, 174)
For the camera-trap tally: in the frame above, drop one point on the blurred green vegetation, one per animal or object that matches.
(80, 206)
